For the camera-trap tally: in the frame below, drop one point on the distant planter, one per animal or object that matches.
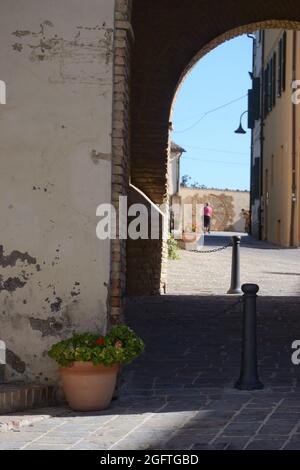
(189, 237)
(190, 240)
(189, 246)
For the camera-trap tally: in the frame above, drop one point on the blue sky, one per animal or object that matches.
(216, 156)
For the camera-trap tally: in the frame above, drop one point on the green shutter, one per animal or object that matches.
(279, 82)
(271, 85)
(269, 92)
(266, 104)
(256, 91)
(274, 70)
(251, 120)
(283, 70)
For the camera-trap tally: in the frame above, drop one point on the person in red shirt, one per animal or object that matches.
(208, 213)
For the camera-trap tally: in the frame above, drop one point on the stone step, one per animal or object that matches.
(23, 396)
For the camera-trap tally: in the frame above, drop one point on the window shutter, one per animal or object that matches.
(274, 70)
(266, 104)
(256, 98)
(271, 85)
(279, 83)
(269, 91)
(251, 120)
(283, 85)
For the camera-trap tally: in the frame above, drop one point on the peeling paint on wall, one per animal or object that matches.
(56, 306)
(11, 284)
(15, 362)
(89, 46)
(76, 290)
(13, 257)
(49, 327)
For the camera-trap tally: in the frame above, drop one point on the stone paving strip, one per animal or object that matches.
(245, 420)
(275, 270)
(180, 394)
(15, 421)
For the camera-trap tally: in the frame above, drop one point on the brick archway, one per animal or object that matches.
(164, 39)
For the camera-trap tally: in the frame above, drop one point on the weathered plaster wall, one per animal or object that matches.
(227, 206)
(55, 169)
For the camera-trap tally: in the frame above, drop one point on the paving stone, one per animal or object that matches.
(266, 444)
(276, 429)
(231, 443)
(179, 394)
(241, 429)
(47, 447)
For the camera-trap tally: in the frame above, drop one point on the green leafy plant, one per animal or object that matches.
(172, 248)
(120, 346)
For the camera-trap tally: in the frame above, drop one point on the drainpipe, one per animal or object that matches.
(262, 138)
(294, 145)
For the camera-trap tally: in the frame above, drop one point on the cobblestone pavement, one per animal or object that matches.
(277, 271)
(180, 395)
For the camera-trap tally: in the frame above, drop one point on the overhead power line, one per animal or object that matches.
(215, 150)
(223, 162)
(210, 112)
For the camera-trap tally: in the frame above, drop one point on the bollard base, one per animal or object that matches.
(249, 386)
(235, 292)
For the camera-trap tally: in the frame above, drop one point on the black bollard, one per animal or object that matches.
(235, 288)
(249, 379)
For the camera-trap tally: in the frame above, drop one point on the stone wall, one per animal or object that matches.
(55, 168)
(145, 256)
(227, 206)
(124, 39)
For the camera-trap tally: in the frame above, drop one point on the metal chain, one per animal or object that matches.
(215, 250)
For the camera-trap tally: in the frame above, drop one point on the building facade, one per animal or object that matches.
(57, 62)
(275, 137)
(89, 90)
(174, 169)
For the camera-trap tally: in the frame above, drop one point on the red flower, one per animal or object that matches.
(100, 342)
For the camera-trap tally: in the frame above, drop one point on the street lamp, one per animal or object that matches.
(240, 129)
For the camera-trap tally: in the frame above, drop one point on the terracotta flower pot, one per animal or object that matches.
(88, 387)
(190, 237)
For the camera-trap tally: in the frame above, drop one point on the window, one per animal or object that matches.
(271, 85)
(279, 80)
(284, 41)
(282, 48)
(274, 70)
(267, 91)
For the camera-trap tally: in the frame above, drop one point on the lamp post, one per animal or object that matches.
(240, 129)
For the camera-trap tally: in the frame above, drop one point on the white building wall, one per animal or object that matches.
(55, 169)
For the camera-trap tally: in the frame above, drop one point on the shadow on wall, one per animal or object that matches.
(144, 257)
(243, 224)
